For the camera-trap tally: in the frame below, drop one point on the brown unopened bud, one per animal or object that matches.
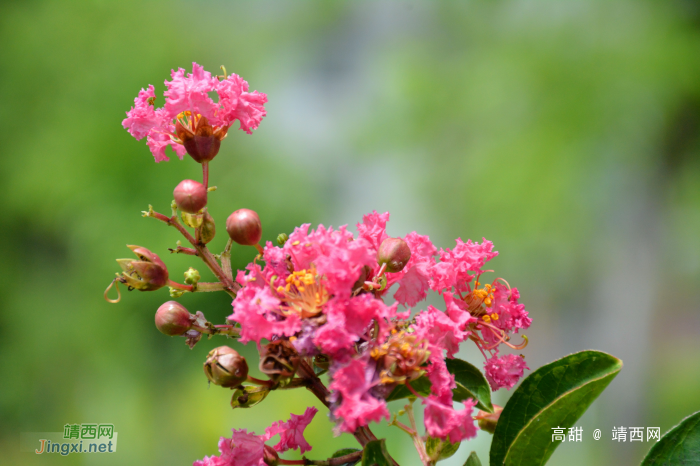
(173, 319)
(148, 273)
(395, 253)
(243, 226)
(225, 367)
(270, 456)
(208, 229)
(204, 142)
(488, 421)
(190, 196)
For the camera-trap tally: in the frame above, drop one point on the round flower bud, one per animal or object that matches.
(395, 253)
(225, 367)
(243, 226)
(173, 319)
(270, 456)
(190, 196)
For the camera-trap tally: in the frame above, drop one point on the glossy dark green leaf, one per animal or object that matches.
(471, 383)
(680, 445)
(346, 451)
(421, 385)
(555, 395)
(248, 397)
(439, 450)
(473, 460)
(375, 454)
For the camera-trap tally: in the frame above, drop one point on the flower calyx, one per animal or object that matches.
(147, 273)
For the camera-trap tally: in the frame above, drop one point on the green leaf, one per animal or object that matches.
(680, 445)
(555, 395)
(440, 449)
(473, 460)
(248, 397)
(346, 451)
(471, 383)
(421, 385)
(375, 454)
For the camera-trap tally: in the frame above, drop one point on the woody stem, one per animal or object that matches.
(363, 434)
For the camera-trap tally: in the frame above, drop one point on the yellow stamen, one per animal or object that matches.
(486, 318)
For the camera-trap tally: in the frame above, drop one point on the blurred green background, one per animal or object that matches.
(565, 132)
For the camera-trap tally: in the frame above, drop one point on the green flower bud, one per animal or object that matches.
(395, 253)
(192, 276)
(282, 238)
(173, 319)
(225, 367)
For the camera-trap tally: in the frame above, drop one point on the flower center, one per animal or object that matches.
(479, 296)
(303, 294)
(403, 356)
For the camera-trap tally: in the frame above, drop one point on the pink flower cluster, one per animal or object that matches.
(188, 96)
(324, 291)
(248, 449)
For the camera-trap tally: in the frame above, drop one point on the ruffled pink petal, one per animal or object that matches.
(504, 371)
(292, 431)
(242, 449)
(456, 264)
(191, 93)
(238, 104)
(414, 279)
(357, 407)
(256, 309)
(443, 421)
(440, 331)
(142, 117)
(348, 320)
(373, 228)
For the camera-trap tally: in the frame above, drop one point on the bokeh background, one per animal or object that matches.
(565, 132)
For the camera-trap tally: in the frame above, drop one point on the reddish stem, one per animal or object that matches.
(181, 250)
(202, 251)
(205, 174)
(180, 286)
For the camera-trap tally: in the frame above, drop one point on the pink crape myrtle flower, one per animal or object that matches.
(357, 406)
(191, 121)
(444, 422)
(453, 270)
(247, 449)
(323, 290)
(440, 330)
(414, 279)
(242, 449)
(292, 431)
(504, 371)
